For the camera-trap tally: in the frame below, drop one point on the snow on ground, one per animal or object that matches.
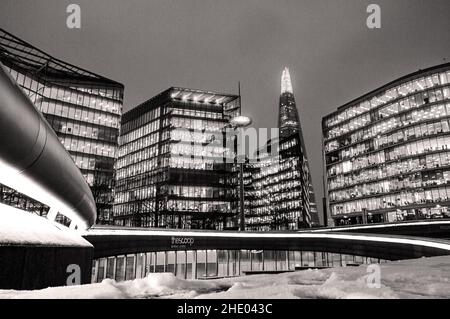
(420, 278)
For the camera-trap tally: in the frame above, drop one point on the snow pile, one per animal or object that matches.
(161, 285)
(102, 290)
(420, 278)
(18, 227)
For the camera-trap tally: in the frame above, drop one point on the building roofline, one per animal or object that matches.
(126, 115)
(387, 86)
(69, 65)
(204, 91)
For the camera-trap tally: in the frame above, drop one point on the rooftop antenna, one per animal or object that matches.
(240, 98)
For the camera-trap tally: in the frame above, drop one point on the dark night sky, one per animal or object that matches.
(150, 45)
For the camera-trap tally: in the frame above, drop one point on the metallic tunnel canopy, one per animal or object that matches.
(34, 162)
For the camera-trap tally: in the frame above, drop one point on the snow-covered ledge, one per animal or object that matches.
(36, 252)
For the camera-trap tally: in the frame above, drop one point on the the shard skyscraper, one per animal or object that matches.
(288, 119)
(290, 128)
(279, 192)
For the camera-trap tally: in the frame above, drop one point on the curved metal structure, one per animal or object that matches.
(422, 228)
(116, 241)
(35, 163)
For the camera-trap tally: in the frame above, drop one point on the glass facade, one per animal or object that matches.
(277, 195)
(288, 118)
(213, 264)
(175, 169)
(9, 196)
(83, 108)
(279, 192)
(387, 154)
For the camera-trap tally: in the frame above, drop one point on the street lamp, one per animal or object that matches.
(241, 122)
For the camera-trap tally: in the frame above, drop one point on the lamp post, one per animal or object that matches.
(241, 122)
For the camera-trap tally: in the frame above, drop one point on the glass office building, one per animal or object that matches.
(279, 192)
(83, 108)
(175, 168)
(387, 153)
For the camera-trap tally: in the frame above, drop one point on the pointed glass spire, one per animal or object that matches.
(286, 84)
(290, 129)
